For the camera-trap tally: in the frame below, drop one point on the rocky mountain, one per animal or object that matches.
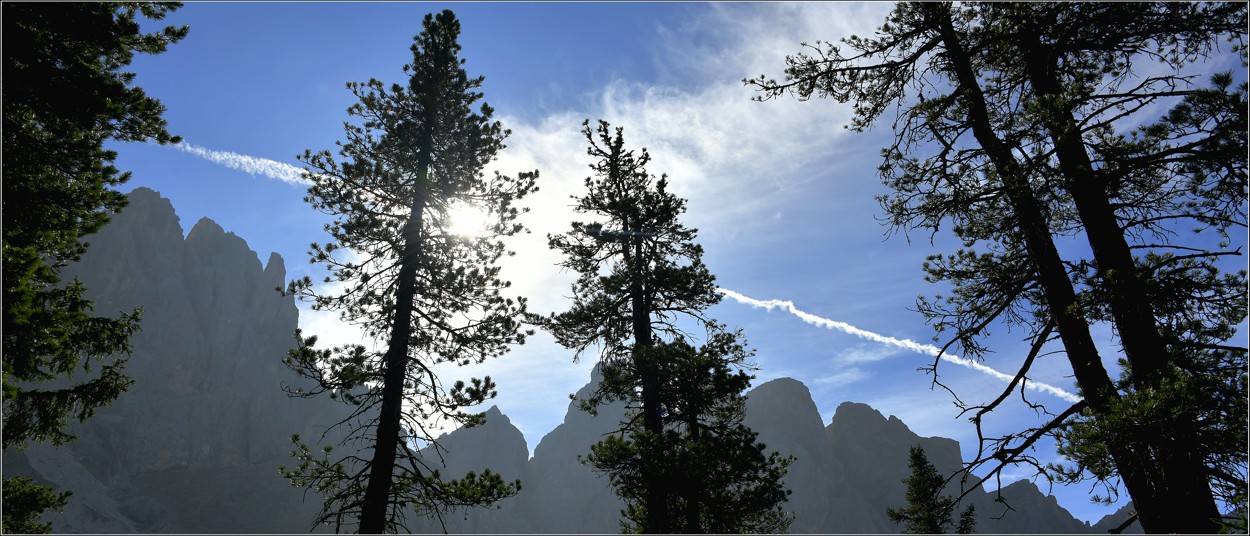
(195, 444)
(844, 476)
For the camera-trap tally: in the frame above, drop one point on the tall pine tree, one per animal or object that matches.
(65, 94)
(683, 462)
(432, 295)
(1126, 190)
(1011, 128)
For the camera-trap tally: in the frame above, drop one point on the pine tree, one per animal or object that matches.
(65, 94)
(25, 502)
(1100, 169)
(927, 510)
(967, 520)
(729, 484)
(721, 480)
(1014, 137)
(683, 462)
(434, 296)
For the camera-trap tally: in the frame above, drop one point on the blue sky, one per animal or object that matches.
(782, 194)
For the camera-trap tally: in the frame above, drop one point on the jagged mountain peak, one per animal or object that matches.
(211, 238)
(149, 207)
(784, 398)
(275, 270)
(860, 416)
(844, 476)
(494, 415)
(193, 446)
(207, 228)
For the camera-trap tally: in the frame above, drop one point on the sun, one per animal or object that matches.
(464, 219)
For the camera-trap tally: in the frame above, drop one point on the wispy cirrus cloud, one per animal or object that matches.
(249, 164)
(927, 349)
(841, 378)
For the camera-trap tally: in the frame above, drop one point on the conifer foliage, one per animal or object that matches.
(65, 94)
(683, 462)
(720, 479)
(433, 296)
(1020, 126)
(927, 510)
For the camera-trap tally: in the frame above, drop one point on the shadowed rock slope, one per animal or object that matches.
(195, 444)
(846, 473)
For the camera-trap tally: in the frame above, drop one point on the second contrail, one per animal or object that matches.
(927, 349)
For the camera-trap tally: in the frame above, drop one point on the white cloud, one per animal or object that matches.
(847, 376)
(735, 160)
(914, 346)
(863, 354)
(845, 365)
(556, 149)
(249, 164)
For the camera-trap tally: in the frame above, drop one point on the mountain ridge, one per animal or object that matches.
(194, 446)
(831, 493)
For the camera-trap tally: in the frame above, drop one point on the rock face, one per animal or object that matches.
(873, 452)
(786, 418)
(558, 494)
(195, 444)
(844, 477)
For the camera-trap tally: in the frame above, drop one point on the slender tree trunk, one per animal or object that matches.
(1132, 312)
(377, 495)
(1181, 487)
(656, 498)
(382, 467)
(1060, 295)
(1091, 376)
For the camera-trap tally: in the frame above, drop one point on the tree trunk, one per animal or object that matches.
(1091, 376)
(377, 494)
(656, 497)
(381, 468)
(1180, 485)
(1060, 296)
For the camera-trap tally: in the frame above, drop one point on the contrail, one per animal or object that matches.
(914, 346)
(249, 164)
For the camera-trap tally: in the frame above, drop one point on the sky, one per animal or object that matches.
(781, 193)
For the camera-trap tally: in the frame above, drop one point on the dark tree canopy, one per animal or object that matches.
(690, 465)
(646, 251)
(721, 479)
(1014, 128)
(927, 510)
(65, 94)
(434, 296)
(25, 502)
